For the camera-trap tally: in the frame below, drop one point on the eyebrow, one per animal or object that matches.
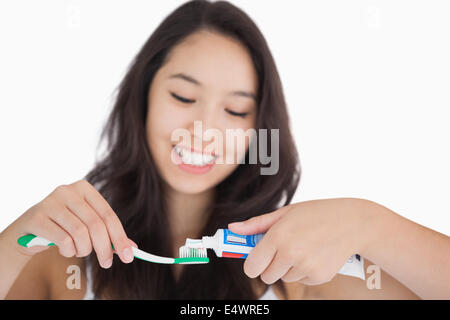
(186, 78)
(190, 79)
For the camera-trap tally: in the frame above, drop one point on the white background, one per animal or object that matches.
(367, 84)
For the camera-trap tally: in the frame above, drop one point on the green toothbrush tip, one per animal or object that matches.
(192, 259)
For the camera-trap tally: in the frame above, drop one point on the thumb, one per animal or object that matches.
(132, 243)
(258, 224)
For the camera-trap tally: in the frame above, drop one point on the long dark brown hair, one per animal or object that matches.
(128, 179)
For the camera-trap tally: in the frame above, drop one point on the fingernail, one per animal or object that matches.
(108, 263)
(127, 255)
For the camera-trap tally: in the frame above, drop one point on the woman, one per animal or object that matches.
(208, 62)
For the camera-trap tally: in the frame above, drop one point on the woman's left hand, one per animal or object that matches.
(307, 241)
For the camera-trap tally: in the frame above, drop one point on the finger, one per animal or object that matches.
(258, 224)
(98, 234)
(132, 243)
(307, 281)
(74, 227)
(113, 225)
(293, 275)
(260, 257)
(50, 230)
(277, 269)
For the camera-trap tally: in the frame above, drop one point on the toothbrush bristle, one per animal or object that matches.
(186, 252)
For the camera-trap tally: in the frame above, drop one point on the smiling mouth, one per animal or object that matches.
(192, 157)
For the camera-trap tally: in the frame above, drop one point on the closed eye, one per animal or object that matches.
(184, 100)
(237, 114)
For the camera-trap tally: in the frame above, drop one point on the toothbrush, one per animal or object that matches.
(187, 255)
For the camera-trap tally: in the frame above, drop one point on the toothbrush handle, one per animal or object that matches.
(31, 240)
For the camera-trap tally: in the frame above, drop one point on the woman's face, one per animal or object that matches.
(210, 79)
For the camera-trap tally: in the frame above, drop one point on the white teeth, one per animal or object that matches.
(207, 158)
(194, 158)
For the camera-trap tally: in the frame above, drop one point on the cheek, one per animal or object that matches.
(163, 119)
(159, 127)
(237, 141)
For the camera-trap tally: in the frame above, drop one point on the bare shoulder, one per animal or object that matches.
(378, 285)
(46, 276)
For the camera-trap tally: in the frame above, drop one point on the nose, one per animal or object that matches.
(204, 119)
(203, 127)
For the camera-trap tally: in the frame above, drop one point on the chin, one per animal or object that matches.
(190, 186)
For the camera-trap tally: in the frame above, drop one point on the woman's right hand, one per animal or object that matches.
(78, 220)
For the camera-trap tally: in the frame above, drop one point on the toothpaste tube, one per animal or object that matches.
(227, 244)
